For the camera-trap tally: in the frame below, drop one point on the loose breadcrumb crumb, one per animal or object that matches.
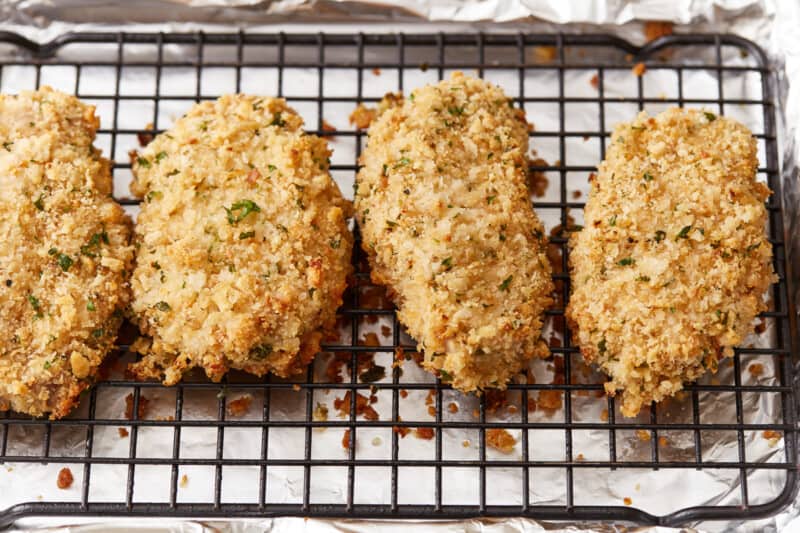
(500, 439)
(653, 29)
(123, 432)
(639, 69)
(756, 369)
(424, 433)
(643, 435)
(346, 439)
(363, 407)
(141, 411)
(627, 501)
(550, 400)
(452, 407)
(65, 478)
(321, 412)
(239, 407)
(773, 437)
(184, 481)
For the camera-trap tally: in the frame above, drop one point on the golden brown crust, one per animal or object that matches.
(447, 223)
(673, 262)
(242, 243)
(66, 253)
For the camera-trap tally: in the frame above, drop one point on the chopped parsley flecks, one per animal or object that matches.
(643, 278)
(711, 117)
(490, 199)
(65, 261)
(447, 263)
(628, 261)
(612, 221)
(172, 172)
(647, 176)
(39, 203)
(660, 235)
(143, 162)
(506, 282)
(246, 235)
(90, 306)
(154, 194)
(445, 375)
(403, 161)
(277, 120)
(90, 249)
(239, 210)
(335, 243)
(160, 155)
(262, 351)
(37, 307)
(97, 333)
(683, 233)
(391, 223)
(7, 145)
(162, 306)
(601, 347)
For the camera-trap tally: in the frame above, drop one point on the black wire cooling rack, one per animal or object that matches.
(204, 58)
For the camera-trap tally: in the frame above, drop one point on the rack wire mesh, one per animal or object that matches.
(281, 64)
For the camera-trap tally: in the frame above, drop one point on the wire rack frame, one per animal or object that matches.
(484, 46)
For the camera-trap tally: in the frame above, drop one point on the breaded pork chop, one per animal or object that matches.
(447, 222)
(243, 248)
(673, 262)
(65, 255)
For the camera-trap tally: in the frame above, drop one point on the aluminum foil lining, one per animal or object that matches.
(772, 26)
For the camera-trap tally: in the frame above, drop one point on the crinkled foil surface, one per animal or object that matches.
(772, 24)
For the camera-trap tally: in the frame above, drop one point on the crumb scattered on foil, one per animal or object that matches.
(239, 407)
(141, 411)
(65, 478)
(500, 440)
(123, 432)
(639, 69)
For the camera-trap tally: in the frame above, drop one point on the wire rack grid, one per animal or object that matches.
(540, 72)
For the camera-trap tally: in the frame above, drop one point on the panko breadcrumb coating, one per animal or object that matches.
(673, 262)
(65, 255)
(447, 222)
(242, 242)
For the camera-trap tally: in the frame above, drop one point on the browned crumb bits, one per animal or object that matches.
(579, 457)
(595, 81)
(65, 478)
(772, 436)
(401, 430)
(239, 406)
(346, 439)
(537, 180)
(654, 29)
(576, 194)
(424, 433)
(663, 442)
(362, 116)
(452, 407)
(403, 393)
(363, 407)
(141, 411)
(500, 440)
(184, 481)
(756, 369)
(627, 501)
(550, 399)
(386, 331)
(604, 415)
(376, 71)
(465, 443)
(123, 432)
(639, 69)
(545, 54)
(144, 137)
(643, 435)
(432, 410)
(321, 412)
(296, 387)
(328, 127)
